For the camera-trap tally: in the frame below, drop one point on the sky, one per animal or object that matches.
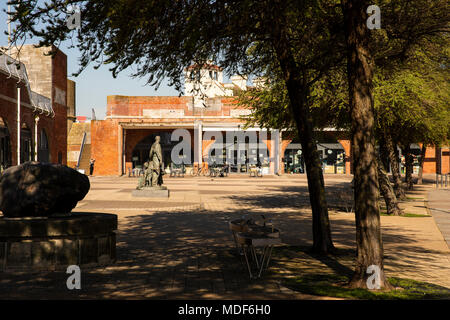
(93, 86)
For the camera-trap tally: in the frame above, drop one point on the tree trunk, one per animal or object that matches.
(395, 166)
(408, 166)
(298, 95)
(360, 73)
(388, 193)
(386, 189)
(423, 151)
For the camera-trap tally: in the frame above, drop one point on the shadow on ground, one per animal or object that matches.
(190, 254)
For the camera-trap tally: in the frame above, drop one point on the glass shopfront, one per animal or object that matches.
(332, 157)
(293, 159)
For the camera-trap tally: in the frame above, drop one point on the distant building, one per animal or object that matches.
(122, 141)
(43, 107)
(71, 104)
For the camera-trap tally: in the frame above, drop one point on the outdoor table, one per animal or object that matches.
(252, 240)
(249, 236)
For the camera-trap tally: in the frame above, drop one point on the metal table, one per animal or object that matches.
(248, 237)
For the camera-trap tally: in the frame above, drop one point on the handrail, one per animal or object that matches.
(81, 150)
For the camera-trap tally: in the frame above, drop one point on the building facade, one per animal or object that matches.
(33, 102)
(209, 120)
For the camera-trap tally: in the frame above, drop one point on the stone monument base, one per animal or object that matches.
(54, 243)
(149, 192)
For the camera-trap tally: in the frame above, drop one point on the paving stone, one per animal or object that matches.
(182, 248)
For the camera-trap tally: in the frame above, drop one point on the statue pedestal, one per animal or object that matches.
(162, 192)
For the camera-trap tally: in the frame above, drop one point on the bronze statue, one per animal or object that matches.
(153, 170)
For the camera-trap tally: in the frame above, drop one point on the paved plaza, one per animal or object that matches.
(181, 247)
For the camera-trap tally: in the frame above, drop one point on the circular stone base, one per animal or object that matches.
(32, 244)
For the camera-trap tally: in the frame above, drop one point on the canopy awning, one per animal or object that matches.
(17, 70)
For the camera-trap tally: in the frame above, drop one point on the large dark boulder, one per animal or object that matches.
(35, 189)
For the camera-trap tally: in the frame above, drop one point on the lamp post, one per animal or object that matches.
(18, 124)
(36, 120)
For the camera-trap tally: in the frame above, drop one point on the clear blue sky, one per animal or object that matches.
(93, 86)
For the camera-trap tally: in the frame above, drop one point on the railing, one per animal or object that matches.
(81, 150)
(443, 180)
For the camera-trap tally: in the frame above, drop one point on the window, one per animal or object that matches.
(195, 75)
(213, 75)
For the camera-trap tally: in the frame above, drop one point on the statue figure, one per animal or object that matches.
(153, 168)
(145, 180)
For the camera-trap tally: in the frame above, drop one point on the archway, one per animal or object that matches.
(26, 144)
(5, 146)
(140, 153)
(43, 150)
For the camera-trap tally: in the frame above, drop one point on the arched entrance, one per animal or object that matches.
(43, 150)
(5, 146)
(26, 143)
(141, 151)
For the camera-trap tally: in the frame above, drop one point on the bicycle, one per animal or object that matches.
(196, 171)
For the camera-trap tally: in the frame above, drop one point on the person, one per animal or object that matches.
(259, 168)
(91, 166)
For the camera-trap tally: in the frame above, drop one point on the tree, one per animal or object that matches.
(406, 24)
(360, 73)
(412, 105)
(164, 37)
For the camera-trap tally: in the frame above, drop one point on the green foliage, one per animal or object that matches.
(328, 104)
(412, 100)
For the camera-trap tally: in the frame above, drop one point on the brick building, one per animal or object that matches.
(122, 141)
(43, 107)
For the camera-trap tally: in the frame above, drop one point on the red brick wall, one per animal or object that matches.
(134, 106)
(445, 161)
(429, 165)
(59, 80)
(347, 145)
(105, 146)
(40, 79)
(8, 111)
